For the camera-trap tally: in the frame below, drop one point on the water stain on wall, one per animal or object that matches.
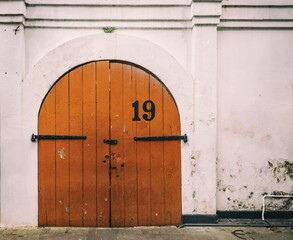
(193, 161)
(266, 138)
(240, 205)
(279, 204)
(223, 187)
(281, 169)
(239, 129)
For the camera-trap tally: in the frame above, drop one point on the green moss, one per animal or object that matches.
(108, 29)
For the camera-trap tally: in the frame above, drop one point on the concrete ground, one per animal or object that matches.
(152, 233)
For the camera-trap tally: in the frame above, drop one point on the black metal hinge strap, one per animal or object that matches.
(161, 138)
(35, 138)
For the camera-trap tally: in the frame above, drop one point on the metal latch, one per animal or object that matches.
(111, 141)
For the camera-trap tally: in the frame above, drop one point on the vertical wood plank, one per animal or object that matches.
(129, 129)
(117, 157)
(143, 152)
(62, 153)
(157, 157)
(172, 162)
(47, 162)
(76, 147)
(103, 150)
(89, 146)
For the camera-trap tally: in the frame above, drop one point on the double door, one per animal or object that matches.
(109, 172)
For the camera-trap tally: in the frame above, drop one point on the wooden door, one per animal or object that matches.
(109, 178)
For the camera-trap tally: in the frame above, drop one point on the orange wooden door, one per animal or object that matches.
(99, 182)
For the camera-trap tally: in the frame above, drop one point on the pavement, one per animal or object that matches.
(150, 233)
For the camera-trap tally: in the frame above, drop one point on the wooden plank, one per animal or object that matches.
(89, 146)
(157, 157)
(117, 157)
(46, 166)
(143, 151)
(76, 148)
(172, 162)
(129, 129)
(62, 153)
(103, 150)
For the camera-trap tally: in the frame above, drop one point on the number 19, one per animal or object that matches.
(149, 109)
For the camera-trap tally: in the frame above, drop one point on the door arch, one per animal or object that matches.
(109, 179)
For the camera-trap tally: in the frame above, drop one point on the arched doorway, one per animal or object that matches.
(118, 175)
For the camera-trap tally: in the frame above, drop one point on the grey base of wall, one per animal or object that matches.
(213, 218)
(200, 218)
(255, 214)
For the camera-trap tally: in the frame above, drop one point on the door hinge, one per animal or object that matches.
(35, 138)
(162, 138)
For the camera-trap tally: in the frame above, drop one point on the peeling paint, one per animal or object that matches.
(193, 195)
(61, 153)
(194, 158)
(68, 209)
(223, 187)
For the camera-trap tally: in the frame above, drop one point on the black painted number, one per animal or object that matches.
(135, 108)
(148, 107)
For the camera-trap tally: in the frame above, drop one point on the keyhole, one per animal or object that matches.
(122, 165)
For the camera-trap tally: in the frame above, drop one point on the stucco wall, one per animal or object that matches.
(227, 63)
(255, 118)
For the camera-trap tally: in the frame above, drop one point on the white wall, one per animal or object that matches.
(228, 64)
(255, 118)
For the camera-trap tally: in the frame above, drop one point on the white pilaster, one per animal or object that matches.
(206, 16)
(12, 68)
